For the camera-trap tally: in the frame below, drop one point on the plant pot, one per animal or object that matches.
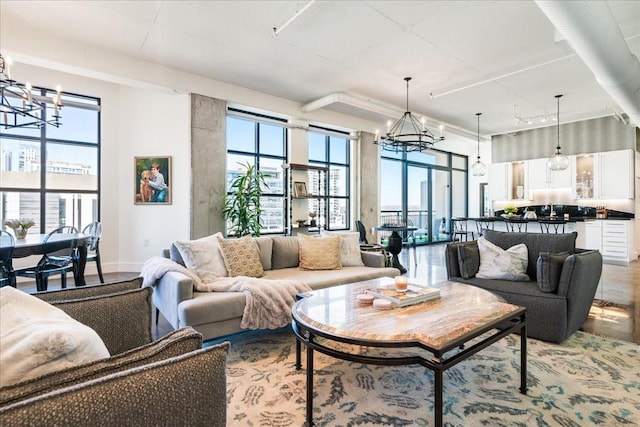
(21, 233)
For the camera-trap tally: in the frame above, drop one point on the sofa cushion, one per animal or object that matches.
(497, 263)
(38, 338)
(536, 243)
(286, 252)
(319, 253)
(241, 256)
(265, 247)
(349, 247)
(173, 344)
(203, 257)
(549, 269)
(468, 259)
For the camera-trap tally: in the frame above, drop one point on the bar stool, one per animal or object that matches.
(515, 225)
(484, 223)
(546, 225)
(459, 227)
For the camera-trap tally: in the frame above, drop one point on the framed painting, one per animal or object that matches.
(152, 180)
(301, 189)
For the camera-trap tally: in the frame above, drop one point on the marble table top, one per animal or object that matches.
(460, 312)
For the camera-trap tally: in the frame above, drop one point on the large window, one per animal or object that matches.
(423, 190)
(332, 152)
(52, 175)
(259, 140)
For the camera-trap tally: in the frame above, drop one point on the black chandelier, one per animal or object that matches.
(23, 107)
(408, 133)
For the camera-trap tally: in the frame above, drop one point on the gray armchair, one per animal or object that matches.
(168, 382)
(552, 316)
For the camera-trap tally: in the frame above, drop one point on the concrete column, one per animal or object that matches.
(369, 202)
(208, 164)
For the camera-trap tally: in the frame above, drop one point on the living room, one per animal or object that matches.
(147, 108)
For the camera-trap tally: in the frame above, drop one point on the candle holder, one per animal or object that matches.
(401, 283)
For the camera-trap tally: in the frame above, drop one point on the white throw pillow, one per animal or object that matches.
(349, 247)
(203, 257)
(38, 338)
(496, 263)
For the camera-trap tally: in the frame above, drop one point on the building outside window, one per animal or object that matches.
(331, 151)
(260, 140)
(52, 175)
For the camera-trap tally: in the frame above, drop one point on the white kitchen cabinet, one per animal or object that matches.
(593, 235)
(508, 181)
(615, 174)
(607, 175)
(541, 178)
(613, 238)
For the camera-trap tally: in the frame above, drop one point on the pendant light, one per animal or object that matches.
(478, 168)
(558, 162)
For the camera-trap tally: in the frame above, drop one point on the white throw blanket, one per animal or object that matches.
(268, 302)
(156, 267)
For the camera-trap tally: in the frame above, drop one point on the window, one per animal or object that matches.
(260, 140)
(332, 151)
(52, 175)
(421, 189)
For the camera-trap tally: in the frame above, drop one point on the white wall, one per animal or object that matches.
(146, 112)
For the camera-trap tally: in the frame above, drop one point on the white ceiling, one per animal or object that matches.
(472, 56)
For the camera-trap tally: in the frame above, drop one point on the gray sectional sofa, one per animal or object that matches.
(553, 315)
(215, 314)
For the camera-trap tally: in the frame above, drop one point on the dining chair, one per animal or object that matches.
(363, 232)
(93, 245)
(59, 260)
(547, 225)
(460, 230)
(484, 224)
(7, 275)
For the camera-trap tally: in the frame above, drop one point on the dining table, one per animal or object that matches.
(33, 245)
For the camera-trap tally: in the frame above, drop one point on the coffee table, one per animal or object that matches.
(443, 332)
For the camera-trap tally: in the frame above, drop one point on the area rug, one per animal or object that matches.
(587, 380)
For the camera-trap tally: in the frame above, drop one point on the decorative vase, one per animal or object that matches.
(21, 233)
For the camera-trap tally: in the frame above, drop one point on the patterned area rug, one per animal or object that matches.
(587, 380)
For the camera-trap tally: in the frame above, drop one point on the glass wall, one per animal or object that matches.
(423, 190)
(52, 175)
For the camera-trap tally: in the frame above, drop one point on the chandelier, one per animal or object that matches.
(21, 106)
(408, 133)
(558, 161)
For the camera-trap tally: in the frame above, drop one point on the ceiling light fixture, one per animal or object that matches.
(20, 106)
(408, 133)
(541, 118)
(558, 161)
(478, 168)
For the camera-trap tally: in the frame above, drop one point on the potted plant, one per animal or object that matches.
(241, 206)
(20, 226)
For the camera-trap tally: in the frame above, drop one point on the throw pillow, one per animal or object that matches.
(241, 256)
(497, 263)
(349, 247)
(38, 338)
(286, 252)
(549, 269)
(468, 259)
(203, 257)
(319, 253)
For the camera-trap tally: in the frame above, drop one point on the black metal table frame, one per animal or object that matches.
(438, 364)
